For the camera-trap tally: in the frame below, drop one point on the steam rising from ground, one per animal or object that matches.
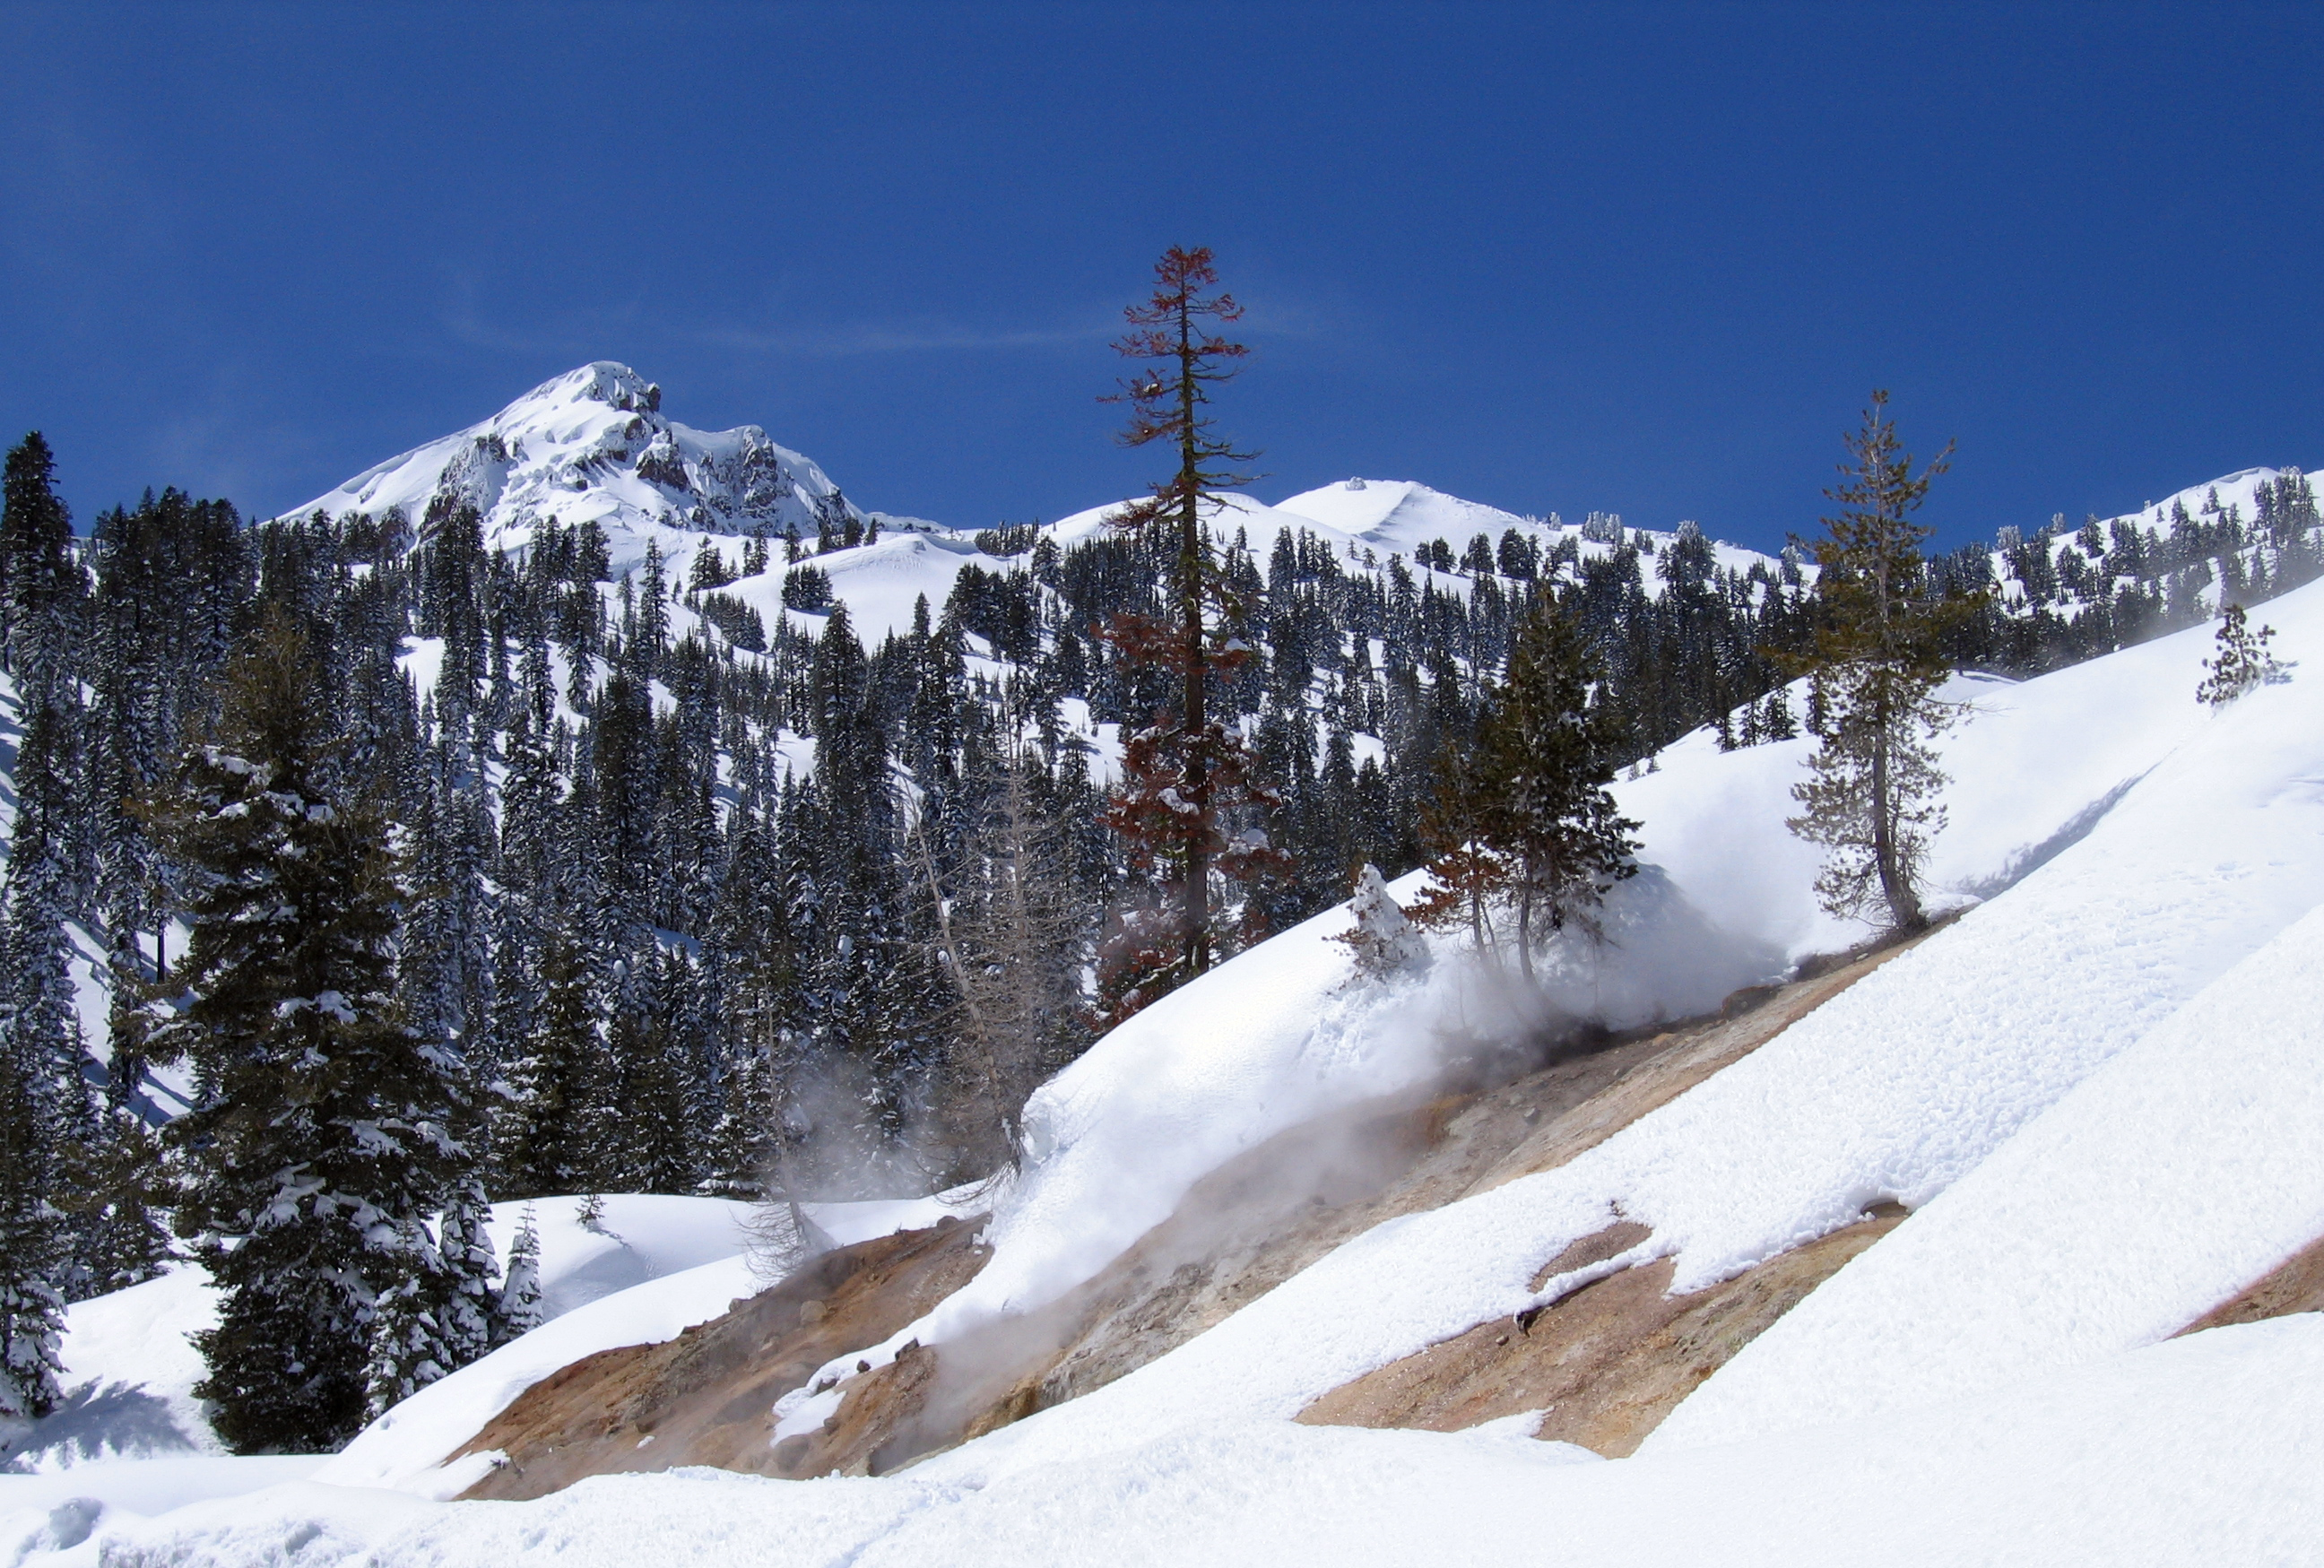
(1656, 956)
(1289, 1036)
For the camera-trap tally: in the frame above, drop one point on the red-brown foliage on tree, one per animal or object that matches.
(1186, 777)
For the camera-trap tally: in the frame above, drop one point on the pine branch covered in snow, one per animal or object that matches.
(2242, 662)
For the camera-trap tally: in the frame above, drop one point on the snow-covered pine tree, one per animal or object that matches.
(1524, 815)
(321, 1129)
(1467, 869)
(32, 1243)
(42, 587)
(555, 1128)
(656, 1090)
(518, 1307)
(753, 941)
(102, 1170)
(1384, 942)
(2241, 661)
(866, 1048)
(1546, 751)
(407, 1337)
(1879, 649)
(472, 1308)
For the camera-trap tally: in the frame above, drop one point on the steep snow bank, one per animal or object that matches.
(1271, 1038)
(1275, 1038)
(2034, 764)
(404, 1447)
(2178, 1172)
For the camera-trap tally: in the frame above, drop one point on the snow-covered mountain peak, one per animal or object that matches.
(594, 444)
(1395, 515)
(605, 382)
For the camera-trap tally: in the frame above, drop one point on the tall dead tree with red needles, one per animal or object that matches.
(1187, 776)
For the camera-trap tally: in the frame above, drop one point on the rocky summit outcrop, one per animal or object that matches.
(593, 446)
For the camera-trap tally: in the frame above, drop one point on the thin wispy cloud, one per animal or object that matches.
(469, 320)
(868, 338)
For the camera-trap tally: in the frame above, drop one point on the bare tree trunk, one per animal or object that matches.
(1524, 926)
(1904, 907)
(1008, 951)
(1197, 789)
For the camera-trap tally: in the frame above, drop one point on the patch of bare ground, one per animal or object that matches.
(1608, 1360)
(708, 1395)
(2294, 1285)
(707, 1398)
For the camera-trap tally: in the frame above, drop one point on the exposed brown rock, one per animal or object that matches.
(707, 1396)
(1611, 1242)
(2294, 1285)
(1608, 1360)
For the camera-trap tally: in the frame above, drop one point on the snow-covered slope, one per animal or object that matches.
(2034, 764)
(1386, 516)
(130, 1367)
(879, 583)
(2188, 1164)
(1400, 516)
(2097, 1091)
(2152, 845)
(2116, 921)
(1894, 1090)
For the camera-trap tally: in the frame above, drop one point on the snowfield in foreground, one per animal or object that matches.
(2201, 1450)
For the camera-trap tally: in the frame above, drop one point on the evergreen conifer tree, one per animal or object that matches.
(2241, 661)
(1525, 815)
(519, 1306)
(321, 1131)
(40, 578)
(1382, 939)
(1879, 649)
(410, 1318)
(1185, 773)
(1546, 751)
(473, 1309)
(32, 1249)
(558, 1131)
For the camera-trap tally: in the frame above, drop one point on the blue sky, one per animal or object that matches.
(1640, 258)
